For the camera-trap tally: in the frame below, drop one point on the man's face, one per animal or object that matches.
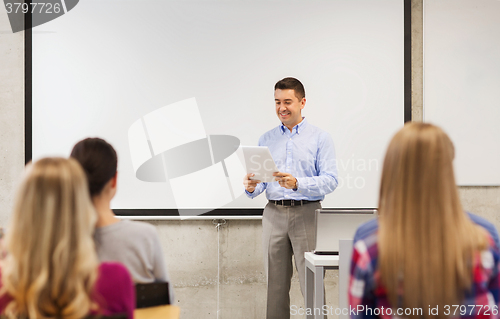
(288, 107)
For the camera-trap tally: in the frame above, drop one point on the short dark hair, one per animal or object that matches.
(99, 161)
(291, 84)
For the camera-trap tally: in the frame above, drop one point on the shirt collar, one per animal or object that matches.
(298, 128)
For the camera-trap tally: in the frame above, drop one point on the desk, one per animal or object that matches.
(159, 312)
(315, 269)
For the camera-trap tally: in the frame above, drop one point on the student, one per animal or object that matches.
(426, 254)
(132, 243)
(51, 269)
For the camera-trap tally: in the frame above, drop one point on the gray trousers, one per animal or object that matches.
(286, 231)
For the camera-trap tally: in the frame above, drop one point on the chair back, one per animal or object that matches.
(152, 294)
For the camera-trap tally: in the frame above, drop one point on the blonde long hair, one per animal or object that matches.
(51, 265)
(426, 241)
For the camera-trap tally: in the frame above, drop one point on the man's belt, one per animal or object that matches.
(292, 202)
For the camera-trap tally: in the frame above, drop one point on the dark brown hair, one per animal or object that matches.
(99, 161)
(291, 84)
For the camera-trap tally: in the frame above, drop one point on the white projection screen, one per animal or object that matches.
(150, 75)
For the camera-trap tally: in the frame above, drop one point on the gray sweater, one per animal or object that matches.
(137, 246)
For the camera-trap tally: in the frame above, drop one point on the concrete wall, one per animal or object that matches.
(11, 112)
(195, 249)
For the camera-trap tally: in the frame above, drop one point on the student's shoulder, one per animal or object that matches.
(132, 226)
(113, 282)
(487, 225)
(5, 298)
(143, 232)
(116, 270)
(365, 241)
(140, 225)
(365, 230)
(480, 220)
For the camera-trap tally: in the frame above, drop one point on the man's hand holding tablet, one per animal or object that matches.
(250, 184)
(286, 180)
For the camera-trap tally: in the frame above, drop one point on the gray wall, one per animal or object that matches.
(194, 249)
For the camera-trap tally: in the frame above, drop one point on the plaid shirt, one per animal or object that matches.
(368, 298)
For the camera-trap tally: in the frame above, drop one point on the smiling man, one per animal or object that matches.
(305, 156)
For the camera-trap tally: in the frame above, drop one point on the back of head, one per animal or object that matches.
(291, 84)
(99, 161)
(52, 265)
(418, 167)
(426, 241)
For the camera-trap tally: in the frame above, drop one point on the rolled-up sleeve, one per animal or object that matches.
(258, 190)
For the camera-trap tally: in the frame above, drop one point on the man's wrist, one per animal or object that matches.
(296, 184)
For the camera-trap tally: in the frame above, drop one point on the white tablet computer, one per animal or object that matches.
(258, 160)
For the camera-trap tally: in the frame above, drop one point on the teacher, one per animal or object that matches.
(305, 157)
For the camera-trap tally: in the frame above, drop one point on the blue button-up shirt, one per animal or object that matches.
(307, 153)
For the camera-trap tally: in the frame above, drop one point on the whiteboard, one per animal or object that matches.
(110, 67)
(462, 81)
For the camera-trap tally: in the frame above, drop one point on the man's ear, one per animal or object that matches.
(114, 180)
(302, 103)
